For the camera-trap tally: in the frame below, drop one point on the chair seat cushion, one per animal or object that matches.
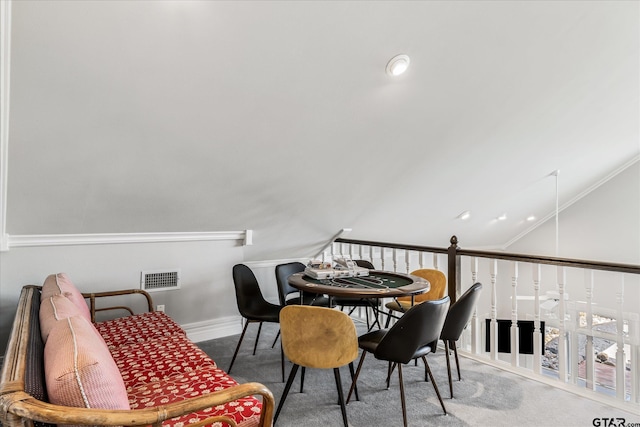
(402, 306)
(158, 359)
(369, 341)
(138, 328)
(244, 411)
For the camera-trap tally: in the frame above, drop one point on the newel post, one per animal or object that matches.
(453, 269)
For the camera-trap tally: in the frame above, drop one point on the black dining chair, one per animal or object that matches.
(458, 318)
(367, 303)
(414, 335)
(253, 307)
(286, 291)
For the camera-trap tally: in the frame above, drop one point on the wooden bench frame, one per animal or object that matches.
(19, 408)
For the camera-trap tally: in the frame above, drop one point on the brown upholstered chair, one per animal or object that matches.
(438, 290)
(317, 337)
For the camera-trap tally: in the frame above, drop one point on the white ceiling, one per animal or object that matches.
(144, 116)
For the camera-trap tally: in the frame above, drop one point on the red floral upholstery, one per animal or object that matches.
(160, 365)
(138, 328)
(245, 412)
(158, 358)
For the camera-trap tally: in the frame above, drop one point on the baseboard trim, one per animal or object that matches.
(212, 329)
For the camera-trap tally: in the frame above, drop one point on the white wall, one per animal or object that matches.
(603, 226)
(206, 299)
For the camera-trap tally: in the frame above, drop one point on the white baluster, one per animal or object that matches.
(382, 256)
(493, 272)
(395, 260)
(562, 338)
(407, 259)
(421, 259)
(371, 254)
(515, 341)
(435, 262)
(620, 355)
(537, 333)
(475, 323)
(360, 252)
(589, 350)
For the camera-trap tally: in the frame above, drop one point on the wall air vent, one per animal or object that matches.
(160, 280)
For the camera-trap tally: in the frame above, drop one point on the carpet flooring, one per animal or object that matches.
(486, 396)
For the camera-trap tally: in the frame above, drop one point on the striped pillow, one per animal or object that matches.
(54, 309)
(79, 370)
(56, 284)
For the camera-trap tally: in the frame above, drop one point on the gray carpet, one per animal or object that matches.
(486, 396)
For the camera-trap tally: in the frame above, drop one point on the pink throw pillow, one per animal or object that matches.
(54, 309)
(79, 369)
(56, 284)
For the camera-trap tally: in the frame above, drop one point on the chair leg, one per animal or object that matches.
(235, 353)
(282, 360)
(292, 376)
(343, 409)
(446, 352)
(455, 353)
(302, 379)
(352, 375)
(404, 405)
(257, 338)
(386, 325)
(276, 340)
(435, 386)
(355, 378)
(390, 369)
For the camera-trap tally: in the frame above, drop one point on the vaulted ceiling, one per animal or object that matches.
(277, 116)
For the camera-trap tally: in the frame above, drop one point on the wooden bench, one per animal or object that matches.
(167, 379)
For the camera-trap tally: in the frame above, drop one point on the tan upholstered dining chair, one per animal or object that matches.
(438, 290)
(317, 337)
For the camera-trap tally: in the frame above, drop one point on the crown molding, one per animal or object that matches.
(119, 238)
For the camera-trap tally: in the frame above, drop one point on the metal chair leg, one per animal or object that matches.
(435, 386)
(282, 361)
(455, 353)
(257, 338)
(343, 409)
(292, 376)
(302, 379)
(355, 378)
(235, 353)
(276, 340)
(404, 405)
(352, 375)
(446, 352)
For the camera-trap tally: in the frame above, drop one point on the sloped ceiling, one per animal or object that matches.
(145, 116)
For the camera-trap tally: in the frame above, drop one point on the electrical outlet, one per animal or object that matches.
(160, 307)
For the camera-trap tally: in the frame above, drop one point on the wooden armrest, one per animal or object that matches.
(93, 295)
(22, 405)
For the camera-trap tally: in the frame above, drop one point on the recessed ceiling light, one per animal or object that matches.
(398, 65)
(531, 218)
(502, 217)
(464, 215)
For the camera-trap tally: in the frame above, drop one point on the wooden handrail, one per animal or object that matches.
(454, 253)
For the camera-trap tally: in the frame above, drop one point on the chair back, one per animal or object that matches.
(248, 295)
(420, 326)
(364, 264)
(460, 313)
(318, 337)
(438, 288)
(283, 271)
